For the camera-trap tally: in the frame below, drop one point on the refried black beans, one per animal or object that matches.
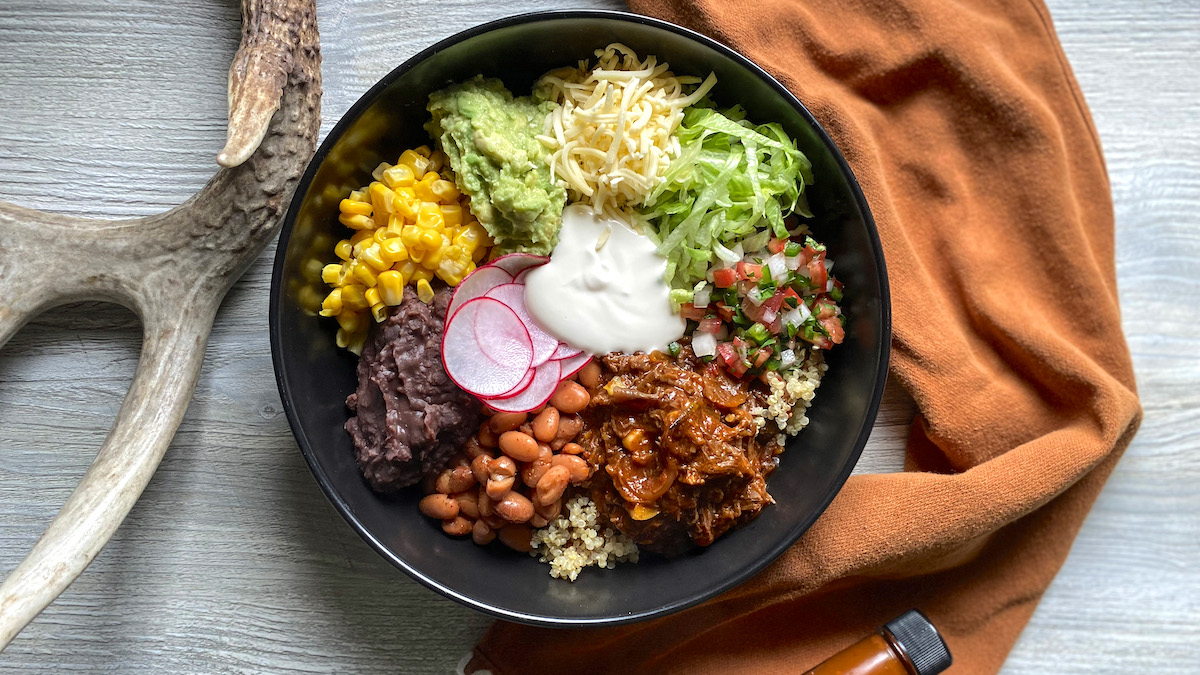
(410, 419)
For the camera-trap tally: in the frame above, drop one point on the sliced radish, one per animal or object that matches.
(521, 385)
(476, 285)
(513, 295)
(515, 263)
(564, 351)
(488, 368)
(545, 382)
(573, 364)
(520, 278)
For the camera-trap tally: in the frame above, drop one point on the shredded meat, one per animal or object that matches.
(675, 436)
(409, 418)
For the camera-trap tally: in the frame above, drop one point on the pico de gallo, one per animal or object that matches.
(755, 314)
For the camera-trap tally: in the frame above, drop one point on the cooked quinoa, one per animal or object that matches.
(575, 540)
(790, 398)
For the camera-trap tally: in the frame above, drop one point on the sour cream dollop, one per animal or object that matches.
(603, 290)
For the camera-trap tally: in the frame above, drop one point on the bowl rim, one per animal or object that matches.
(354, 111)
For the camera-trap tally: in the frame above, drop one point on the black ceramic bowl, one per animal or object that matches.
(315, 376)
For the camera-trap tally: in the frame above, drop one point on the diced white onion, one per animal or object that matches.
(786, 358)
(829, 266)
(704, 344)
(702, 296)
(756, 297)
(829, 286)
(792, 262)
(793, 317)
(804, 312)
(778, 266)
(768, 316)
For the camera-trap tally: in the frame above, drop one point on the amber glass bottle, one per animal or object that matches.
(907, 645)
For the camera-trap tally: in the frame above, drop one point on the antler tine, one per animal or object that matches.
(173, 269)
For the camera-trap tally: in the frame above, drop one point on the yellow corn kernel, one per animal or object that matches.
(352, 297)
(371, 295)
(445, 191)
(452, 214)
(343, 338)
(356, 343)
(379, 311)
(377, 174)
(406, 202)
(418, 163)
(382, 234)
(355, 208)
(407, 270)
(430, 216)
(361, 236)
(423, 150)
(357, 196)
(383, 200)
(332, 304)
(420, 273)
(366, 276)
(472, 236)
(410, 235)
(425, 291)
(417, 252)
(333, 274)
(479, 253)
(437, 160)
(400, 175)
(430, 237)
(431, 176)
(442, 250)
(343, 249)
(356, 222)
(391, 287)
(393, 250)
(351, 322)
(423, 189)
(374, 258)
(452, 270)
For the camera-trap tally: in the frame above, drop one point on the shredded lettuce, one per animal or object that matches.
(732, 180)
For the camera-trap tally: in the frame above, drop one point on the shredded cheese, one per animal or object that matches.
(612, 136)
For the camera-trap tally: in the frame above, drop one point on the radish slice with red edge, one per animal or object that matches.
(496, 370)
(513, 295)
(521, 386)
(573, 364)
(545, 383)
(476, 285)
(564, 351)
(515, 263)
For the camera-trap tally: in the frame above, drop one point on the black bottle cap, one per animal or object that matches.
(920, 642)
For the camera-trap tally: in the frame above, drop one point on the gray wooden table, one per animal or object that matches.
(233, 561)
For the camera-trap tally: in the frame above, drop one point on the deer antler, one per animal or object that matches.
(173, 270)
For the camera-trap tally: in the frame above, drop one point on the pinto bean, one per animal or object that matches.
(548, 511)
(439, 506)
(576, 465)
(519, 446)
(468, 504)
(502, 422)
(473, 449)
(502, 467)
(482, 533)
(495, 522)
(487, 438)
(569, 427)
(570, 397)
(589, 376)
(457, 526)
(572, 448)
(515, 507)
(479, 468)
(552, 484)
(533, 471)
(545, 425)
(460, 479)
(484, 502)
(497, 488)
(537, 520)
(517, 537)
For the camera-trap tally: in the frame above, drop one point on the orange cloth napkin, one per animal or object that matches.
(976, 152)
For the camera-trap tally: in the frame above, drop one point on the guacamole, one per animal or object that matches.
(489, 137)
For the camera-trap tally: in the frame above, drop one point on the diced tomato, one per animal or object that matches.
(791, 293)
(823, 342)
(689, 311)
(727, 353)
(825, 309)
(817, 272)
(709, 325)
(807, 255)
(739, 367)
(776, 325)
(725, 311)
(749, 271)
(752, 311)
(740, 345)
(763, 355)
(774, 302)
(725, 277)
(833, 326)
(776, 245)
